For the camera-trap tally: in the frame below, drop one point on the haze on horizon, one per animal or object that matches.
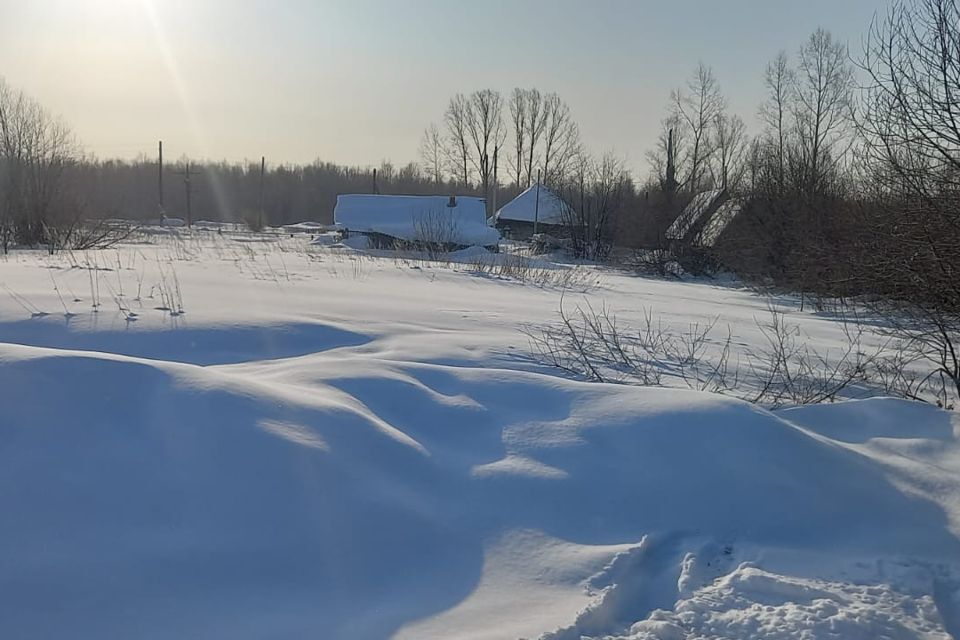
(356, 82)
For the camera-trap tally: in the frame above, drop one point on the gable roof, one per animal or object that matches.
(702, 205)
(414, 218)
(718, 222)
(523, 208)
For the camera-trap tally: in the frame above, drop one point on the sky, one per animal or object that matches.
(357, 81)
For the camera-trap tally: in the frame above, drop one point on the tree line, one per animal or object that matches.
(472, 143)
(225, 191)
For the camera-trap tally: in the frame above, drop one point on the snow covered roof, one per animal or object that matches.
(417, 218)
(698, 207)
(715, 226)
(306, 226)
(523, 208)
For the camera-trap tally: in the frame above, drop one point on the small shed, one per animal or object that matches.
(434, 222)
(516, 218)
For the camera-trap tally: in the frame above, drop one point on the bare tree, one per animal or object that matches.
(544, 136)
(542, 132)
(12, 149)
(593, 343)
(696, 109)
(518, 120)
(561, 140)
(536, 123)
(487, 133)
(432, 153)
(912, 117)
(528, 118)
(912, 127)
(823, 108)
(593, 194)
(779, 81)
(35, 151)
(730, 141)
(457, 119)
(667, 158)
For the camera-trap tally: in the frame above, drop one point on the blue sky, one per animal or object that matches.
(357, 81)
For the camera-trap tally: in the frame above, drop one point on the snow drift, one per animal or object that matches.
(347, 496)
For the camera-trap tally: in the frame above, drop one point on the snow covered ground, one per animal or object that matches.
(254, 438)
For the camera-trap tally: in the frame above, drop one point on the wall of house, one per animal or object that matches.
(519, 230)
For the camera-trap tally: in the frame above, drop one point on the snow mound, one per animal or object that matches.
(358, 497)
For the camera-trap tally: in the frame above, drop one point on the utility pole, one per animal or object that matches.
(536, 206)
(263, 163)
(188, 189)
(485, 178)
(496, 151)
(160, 181)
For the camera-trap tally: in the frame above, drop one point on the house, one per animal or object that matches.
(516, 218)
(422, 222)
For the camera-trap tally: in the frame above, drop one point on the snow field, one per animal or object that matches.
(332, 445)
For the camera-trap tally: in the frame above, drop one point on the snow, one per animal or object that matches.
(414, 218)
(750, 602)
(333, 444)
(523, 208)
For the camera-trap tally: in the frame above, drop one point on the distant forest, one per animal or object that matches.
(231, 191)
(488, 144)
